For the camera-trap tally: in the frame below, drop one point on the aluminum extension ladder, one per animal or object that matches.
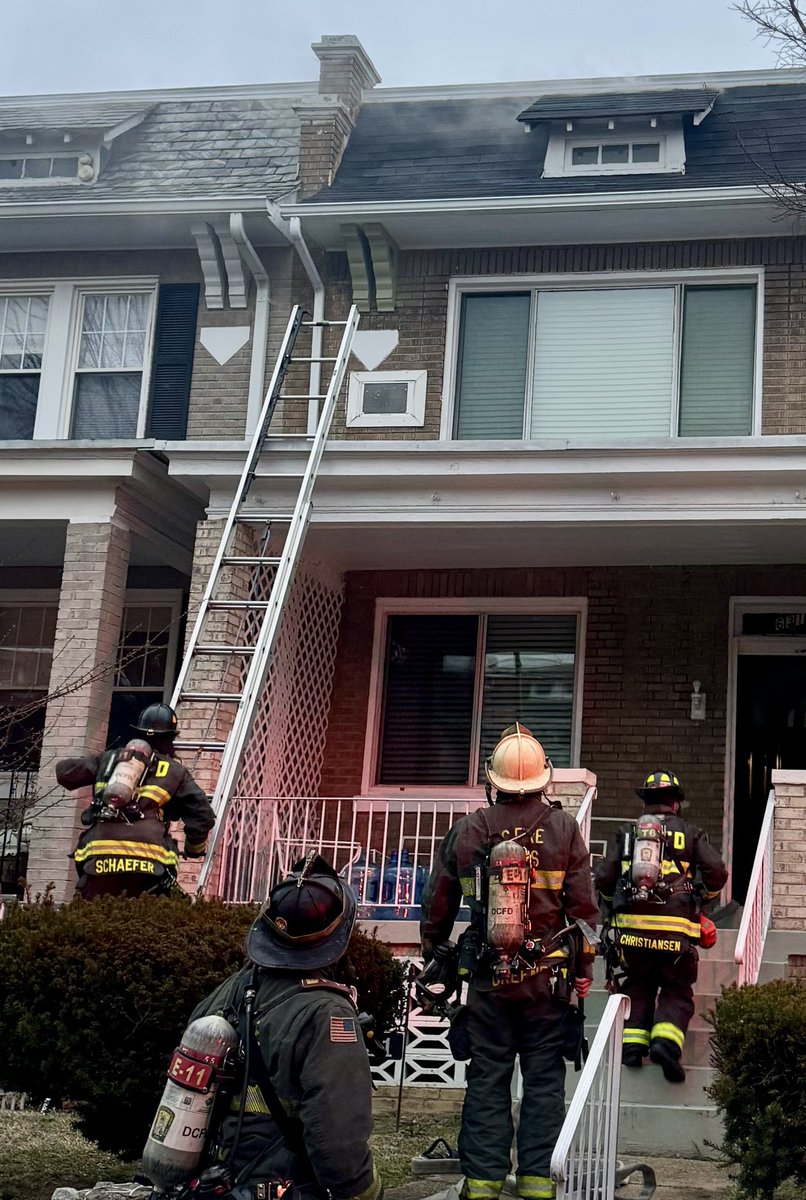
(261, 651)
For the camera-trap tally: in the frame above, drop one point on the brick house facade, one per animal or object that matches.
(409, 199)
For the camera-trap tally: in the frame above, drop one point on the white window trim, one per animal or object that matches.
(167, 598)
(62, 336)
(414, 416)
(68, 151)
(607, 281)
(518, 606)
(671, 161)
(28, 598)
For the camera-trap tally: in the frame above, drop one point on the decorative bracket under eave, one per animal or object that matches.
(373, 257)
(225, 281)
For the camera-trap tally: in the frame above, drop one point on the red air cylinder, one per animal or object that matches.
(647, 854)
(507, 900)
(179, 1131)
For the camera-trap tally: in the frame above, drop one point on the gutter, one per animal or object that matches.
(260, 331)
(292, 232)
(691, 197)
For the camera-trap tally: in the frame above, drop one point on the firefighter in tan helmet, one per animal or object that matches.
(524, 871)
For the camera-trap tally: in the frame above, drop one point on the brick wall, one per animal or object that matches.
(789, 850)
(422, 305)
(91, 602)
(650, 633)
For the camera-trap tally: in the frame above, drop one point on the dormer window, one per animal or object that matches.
(638, 133)
(47, 166)
(60, 144)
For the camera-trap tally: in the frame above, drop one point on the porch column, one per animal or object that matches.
(789, 850)
(96, 561)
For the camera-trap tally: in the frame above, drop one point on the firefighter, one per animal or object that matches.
(655, 930)
(518, 1007)
(128, 849)
(307, 1097)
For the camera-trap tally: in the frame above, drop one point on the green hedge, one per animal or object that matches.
(759, 1054)
(94, 997)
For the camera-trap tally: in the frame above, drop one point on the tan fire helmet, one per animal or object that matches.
(518, 764)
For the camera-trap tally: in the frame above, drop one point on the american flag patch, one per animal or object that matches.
(342, 1029)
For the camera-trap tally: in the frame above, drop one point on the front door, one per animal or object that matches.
(770, 735)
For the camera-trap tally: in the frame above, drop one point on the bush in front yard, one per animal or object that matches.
(94, 997)
(759, 1054)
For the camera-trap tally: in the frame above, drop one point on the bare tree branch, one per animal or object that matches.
(780, 23)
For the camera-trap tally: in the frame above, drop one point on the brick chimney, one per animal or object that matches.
(326, 124)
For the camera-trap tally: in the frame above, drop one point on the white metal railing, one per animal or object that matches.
(584, 1161)
(758, 906)
(384, 848)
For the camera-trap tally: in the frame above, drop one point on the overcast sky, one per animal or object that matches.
(90, 45)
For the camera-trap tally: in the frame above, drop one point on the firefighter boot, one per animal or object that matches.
(667, 1055)
(633, 1056)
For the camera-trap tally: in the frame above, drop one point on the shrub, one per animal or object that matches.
(759, 1054)
(94, 997)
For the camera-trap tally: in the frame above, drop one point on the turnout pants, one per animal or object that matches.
(660, 987)
(524, 1020)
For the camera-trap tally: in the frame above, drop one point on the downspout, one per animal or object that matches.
(292, 232)
(260, 333)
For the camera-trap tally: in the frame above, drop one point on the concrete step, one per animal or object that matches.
(646, 1085)
(781, 943)
(646, 1129)
(597, 999)
(697, 1050)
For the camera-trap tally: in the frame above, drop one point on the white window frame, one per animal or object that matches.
(557, 163)
(388, 606)
(460, 286)
(67, 151)
(54, 412)
(153, 598)
(414, 416)
(28, 598)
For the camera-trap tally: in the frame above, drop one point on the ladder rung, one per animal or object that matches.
(217, 747)
(243, 560)
(312, 396)
(316, 358)
(319, 324)
(283, 518)
(218, 649)
(238, 603)
(211, 697)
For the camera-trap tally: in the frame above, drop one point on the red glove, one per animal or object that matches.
(582, 987)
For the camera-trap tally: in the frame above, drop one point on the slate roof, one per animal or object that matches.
(465, 148)
(243, 145)
(618, 104)
(80, 115)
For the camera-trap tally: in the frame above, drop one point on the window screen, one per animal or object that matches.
(493, 353)
(716, 376)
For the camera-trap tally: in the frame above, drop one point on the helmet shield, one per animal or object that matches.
(518, 764)
(661, 787)
(307, 920)
(159, 719)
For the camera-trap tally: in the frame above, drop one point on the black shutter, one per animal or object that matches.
(173, 360)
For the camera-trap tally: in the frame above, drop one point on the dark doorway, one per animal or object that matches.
(770, 734)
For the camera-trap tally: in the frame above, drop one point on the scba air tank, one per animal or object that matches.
(647, 854)
(132, 763)
(204, 1058)
(507, 900)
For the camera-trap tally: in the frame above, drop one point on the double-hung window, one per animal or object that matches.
(449, 682)
(146, 658)
(634, 360)
(109, 388)
(27, 632)
(23, 320)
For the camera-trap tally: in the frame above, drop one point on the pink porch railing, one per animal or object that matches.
(758, 906)
(384, 848)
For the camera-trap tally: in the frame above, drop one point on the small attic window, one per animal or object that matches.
(46, 166)
(645, 148)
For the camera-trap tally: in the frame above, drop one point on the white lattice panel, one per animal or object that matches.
(429, 1062)
(285, 750)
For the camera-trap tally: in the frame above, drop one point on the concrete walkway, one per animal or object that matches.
(678, 1179)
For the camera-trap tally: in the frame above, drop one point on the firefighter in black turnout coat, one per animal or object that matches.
(307, 1101)
(655, 878)
(520, 1007)
(129, 850)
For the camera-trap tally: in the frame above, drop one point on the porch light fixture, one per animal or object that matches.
(698, 698)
